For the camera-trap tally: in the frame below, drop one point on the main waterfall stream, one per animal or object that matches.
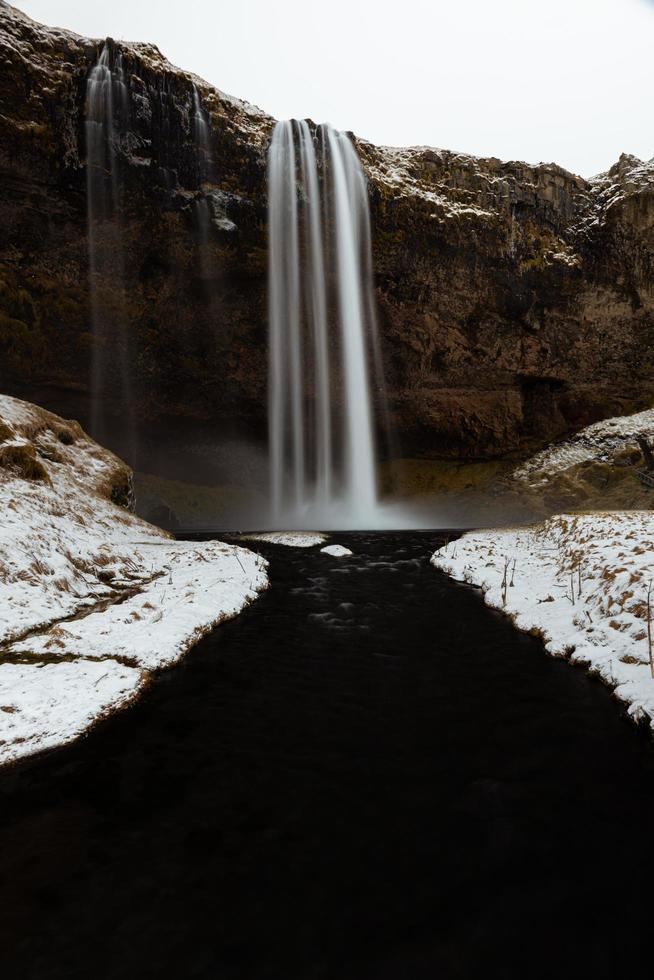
(323, 334)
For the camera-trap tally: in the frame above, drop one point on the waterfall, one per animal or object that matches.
(202, 137)
(323, 334)
(202, 211)
(107, 105)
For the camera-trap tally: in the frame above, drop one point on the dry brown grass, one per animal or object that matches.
(66, 436)
(41, 421)
(79, 563)
(103, 559)
(628, 659)
(49, 452)
(615, 625)
(21, 461)
(610, 574)
(38, 567)
(639, 609)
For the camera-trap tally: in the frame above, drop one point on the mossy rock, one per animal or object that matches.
(601, 475)
(193, 505)
(629, 456)
(424, 477)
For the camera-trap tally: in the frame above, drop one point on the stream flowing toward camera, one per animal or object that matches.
(366, 775)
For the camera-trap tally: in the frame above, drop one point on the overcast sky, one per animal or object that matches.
(564, 80)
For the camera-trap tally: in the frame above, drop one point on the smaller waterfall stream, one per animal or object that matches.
(204, 212)
(202, 137)
(106, 111)
(323, 335)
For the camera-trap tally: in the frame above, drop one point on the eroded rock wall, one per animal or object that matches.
(516, 303)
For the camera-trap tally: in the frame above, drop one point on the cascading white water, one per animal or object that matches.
(102, 86)
(322, 331)
(203, 210)
(360, 484)
(106, 102)
(202, 137)
(316, 303)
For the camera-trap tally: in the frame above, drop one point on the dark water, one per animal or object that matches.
(368, 775)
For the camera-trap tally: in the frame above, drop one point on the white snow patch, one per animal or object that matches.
(601, 441)
(336, 551)
(579, 581)
(199, 585)
(48, 705)
(91, 597)
(291, 539)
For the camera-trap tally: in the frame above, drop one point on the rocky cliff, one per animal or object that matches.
(516, 302)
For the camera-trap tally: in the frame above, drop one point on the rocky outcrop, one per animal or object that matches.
(197, 350)
(516, 302)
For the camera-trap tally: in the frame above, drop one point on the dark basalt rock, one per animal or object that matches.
(516, 302)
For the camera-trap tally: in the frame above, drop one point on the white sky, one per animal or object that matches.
(564, 80)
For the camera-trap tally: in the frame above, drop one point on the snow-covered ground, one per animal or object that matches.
(291, 539)
(92, 599)
(336, 551)
(581, 581)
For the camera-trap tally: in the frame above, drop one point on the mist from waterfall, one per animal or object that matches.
(323, 334)
(106, 111)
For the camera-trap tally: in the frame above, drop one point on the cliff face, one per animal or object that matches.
(518, 300)
(516, 303)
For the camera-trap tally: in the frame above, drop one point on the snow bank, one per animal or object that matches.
(579, 581)
(336, 551)
(52, 703)
(92, 598)
(292, 539)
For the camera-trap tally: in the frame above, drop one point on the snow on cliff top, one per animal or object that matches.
(461, 185)
(24, 36)
(603, 441)
(91, 597)
(580, 581)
